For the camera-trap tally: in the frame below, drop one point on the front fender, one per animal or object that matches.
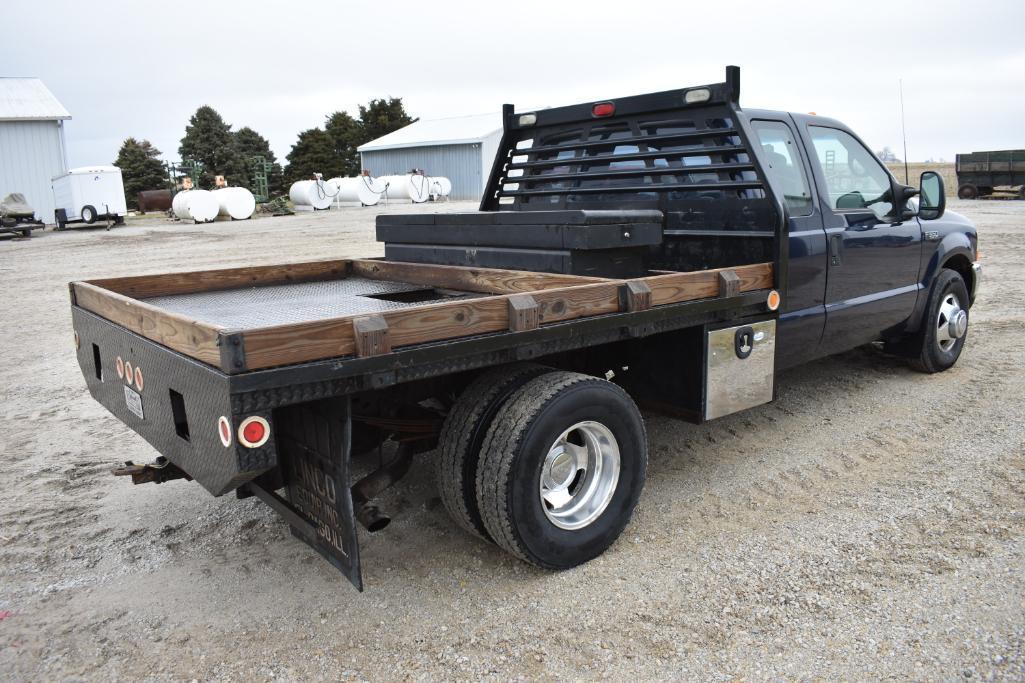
(951, 245)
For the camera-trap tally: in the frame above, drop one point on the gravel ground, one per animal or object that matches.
(868, 524)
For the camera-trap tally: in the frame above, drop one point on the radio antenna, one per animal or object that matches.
(903, 130)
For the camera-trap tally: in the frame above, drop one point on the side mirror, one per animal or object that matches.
(905, 194)
(933, 200)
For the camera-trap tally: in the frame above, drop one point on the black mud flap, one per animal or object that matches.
(313, 447)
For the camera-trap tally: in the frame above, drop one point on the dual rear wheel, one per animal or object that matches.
(547, 464)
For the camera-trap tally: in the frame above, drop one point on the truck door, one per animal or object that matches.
(803, 317)
(873, 255)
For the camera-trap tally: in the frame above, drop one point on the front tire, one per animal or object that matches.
(945, 326)
(88, 214)
(561, 470)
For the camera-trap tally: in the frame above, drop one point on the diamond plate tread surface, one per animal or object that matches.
(298, 302)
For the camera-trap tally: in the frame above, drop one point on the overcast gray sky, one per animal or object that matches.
(141, 68)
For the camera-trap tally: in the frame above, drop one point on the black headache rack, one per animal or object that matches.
(683, 156)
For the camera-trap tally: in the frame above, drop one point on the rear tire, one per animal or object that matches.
(462, 435)
(536, 500)
(967, 191)
(938, 343)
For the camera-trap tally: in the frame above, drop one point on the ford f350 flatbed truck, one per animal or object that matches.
(669, 250)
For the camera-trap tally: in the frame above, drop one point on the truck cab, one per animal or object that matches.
(861, 264)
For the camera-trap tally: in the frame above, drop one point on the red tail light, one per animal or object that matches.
(603, 109)
(253, 432)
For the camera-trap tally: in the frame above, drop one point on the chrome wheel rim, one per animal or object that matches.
(579, 475)
(951, 322)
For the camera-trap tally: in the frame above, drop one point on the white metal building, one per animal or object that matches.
(461, 148)
(32, 149)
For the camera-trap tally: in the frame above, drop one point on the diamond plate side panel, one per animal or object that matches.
(205, 394)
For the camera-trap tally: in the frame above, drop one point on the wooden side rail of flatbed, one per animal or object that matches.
(252, 318)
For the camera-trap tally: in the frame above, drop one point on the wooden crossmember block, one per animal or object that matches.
(524, 313)
(371, 333)
(634, 295)
(729, 283)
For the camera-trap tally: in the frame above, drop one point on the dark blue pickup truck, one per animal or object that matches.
(671, 251)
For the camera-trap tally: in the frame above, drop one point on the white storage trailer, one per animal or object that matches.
(88, 194)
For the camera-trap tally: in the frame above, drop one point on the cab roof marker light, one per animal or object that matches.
(697, 95)
(527, 119)
(603, 109)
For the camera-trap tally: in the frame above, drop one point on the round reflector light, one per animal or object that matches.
(253, 432)
(224, 430)
(119, 365)
(772, 301)
(138, 378)
(128, 373)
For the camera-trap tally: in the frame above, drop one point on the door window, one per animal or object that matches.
(854, 177)
(783, 165)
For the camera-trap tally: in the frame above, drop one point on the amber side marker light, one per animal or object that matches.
(138, 378)
(772, 301)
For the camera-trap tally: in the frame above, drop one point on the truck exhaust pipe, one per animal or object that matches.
(371, 486)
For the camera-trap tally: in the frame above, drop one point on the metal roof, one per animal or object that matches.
(451, 131)
(28, 99)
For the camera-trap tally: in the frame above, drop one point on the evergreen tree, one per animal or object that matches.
(381, 117)
(312, 153)
(208, 140)
(141, 168)
(251, 144)
(346, 135)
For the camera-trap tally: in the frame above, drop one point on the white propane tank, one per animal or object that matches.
(235, 202)
(440, 186)
(315, 193)
(409, 186)
(198, 206)
(363, 189)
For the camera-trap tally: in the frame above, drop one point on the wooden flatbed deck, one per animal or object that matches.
(261, 317)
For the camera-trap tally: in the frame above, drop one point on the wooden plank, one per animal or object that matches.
(437, 322)
(490, 280)
(191, 337)
(146, 286)
(700, 284)
(523, 313)
(371, 333)
(634, 296)
(570, 303)
(729, 283)
(268, 347)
